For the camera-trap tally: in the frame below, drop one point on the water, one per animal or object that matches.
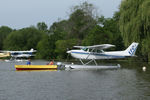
(126, 83)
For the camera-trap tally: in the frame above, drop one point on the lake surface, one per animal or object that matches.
(127, 83)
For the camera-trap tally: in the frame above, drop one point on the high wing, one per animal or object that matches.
(100, 47)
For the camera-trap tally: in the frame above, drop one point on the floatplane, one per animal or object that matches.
(19, 54)
(96, 52)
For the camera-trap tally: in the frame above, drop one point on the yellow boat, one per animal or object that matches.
(36, 67)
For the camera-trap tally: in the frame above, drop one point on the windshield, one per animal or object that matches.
(85, 49)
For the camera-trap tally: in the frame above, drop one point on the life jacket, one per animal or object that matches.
(51, 63)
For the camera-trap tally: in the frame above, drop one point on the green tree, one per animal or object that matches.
(111, 25)
(97, 36)
(42, 26)
(60, 29)
(62, 45)
(82, 20)
(134, 23)
(23, 39)
(44, 48)
(4, 31)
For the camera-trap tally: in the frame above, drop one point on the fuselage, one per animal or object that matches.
(96, 52)
(19, 54)
(81, 54)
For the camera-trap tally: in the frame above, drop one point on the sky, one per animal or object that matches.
(19, 14)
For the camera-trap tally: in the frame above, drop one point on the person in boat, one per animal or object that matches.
(51, 63)
(29, 62)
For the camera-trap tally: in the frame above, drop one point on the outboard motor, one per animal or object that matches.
(60, 66)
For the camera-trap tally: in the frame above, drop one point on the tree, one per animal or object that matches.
(111, 25)
(62, 45)
(60, 29)
(107, 31)
(42, 26)
(44, 48)
(4, 31)
(97, 36)
(81, 20)
(134, 23)
(23, 39)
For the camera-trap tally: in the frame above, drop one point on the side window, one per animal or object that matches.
(91, 50)
(100, 51)
(95, 50)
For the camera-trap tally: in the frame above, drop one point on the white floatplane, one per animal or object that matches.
(95, 52)
(20, 54)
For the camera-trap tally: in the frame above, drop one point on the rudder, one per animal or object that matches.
(132, 49)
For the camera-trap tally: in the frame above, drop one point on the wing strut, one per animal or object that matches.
(88, 62)
(89, 53)
(82, 62)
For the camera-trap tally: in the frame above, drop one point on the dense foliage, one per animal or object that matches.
(23, 39)
(4, 31)
(135, 24)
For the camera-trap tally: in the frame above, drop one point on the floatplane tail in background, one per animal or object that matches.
(95, 52)
(32, 50)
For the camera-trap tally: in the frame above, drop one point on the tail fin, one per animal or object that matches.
(131, 49)
(32, 50)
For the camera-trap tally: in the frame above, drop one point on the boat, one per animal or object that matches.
(36, 67)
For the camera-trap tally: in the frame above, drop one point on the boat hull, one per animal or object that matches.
(36, 67)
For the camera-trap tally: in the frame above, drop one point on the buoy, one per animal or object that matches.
(144, 68)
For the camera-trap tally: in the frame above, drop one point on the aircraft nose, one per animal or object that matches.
(69, 51)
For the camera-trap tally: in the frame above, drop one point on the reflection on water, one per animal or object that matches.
(127, 83)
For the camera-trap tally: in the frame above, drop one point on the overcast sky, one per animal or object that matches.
(24, 13)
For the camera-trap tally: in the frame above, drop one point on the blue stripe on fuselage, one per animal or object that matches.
(99, 54)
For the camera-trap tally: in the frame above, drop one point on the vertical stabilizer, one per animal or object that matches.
(131, 49)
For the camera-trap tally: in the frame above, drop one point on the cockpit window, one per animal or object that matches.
(85, 49)
(93, 50)
(100, 51)
(96, 50)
